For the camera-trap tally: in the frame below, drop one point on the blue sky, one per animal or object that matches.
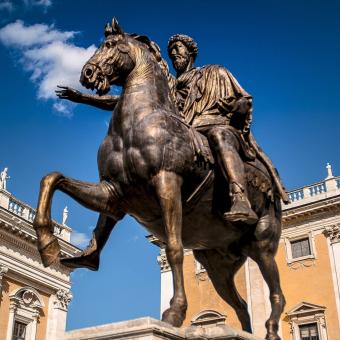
(285, 53)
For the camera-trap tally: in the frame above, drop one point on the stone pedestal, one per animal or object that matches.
(151, 329)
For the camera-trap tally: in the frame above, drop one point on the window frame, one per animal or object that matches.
(288, 244)
(304, 314)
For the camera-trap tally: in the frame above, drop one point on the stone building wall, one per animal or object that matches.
(31, 296)
(310, 282)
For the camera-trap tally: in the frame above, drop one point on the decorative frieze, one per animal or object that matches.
(63, 298)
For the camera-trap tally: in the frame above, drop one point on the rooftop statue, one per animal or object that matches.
(3, 178)
(179, 157)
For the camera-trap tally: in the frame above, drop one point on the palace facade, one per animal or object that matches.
(309, 264)
(33, 299)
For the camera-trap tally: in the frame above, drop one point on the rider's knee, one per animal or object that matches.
(222, 137)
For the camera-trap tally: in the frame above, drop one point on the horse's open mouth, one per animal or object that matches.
(102, 85)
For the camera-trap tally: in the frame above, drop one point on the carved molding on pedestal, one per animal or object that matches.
(63, 298)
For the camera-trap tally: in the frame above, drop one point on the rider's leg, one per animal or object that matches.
(90, 257)
(227, 147)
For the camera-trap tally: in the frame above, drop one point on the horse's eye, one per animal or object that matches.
(108, 44)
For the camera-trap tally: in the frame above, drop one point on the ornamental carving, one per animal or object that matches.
(63, 298)
(3, 271)
(333, 232)
(163, 262)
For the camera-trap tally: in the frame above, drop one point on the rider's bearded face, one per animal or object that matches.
(180, 56)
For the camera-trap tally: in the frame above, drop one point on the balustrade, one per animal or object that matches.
(296, 195)
(28, 213)
(317, 189)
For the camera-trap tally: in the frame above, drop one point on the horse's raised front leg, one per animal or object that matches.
(100, 197)
(90, 257)
(267, 264)
(168, 188)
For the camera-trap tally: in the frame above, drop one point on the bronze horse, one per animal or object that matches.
(148, 170)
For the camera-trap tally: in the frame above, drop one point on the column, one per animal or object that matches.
(258, 293)
(167, 289)
(57, 312)
(333, 239)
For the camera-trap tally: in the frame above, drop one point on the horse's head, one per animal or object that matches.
(112, 61)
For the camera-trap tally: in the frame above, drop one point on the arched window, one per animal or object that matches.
(208, 318)
(24, 311)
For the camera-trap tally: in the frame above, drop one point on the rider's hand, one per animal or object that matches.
(69, 93)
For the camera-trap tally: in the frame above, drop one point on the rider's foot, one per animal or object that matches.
(241, 211)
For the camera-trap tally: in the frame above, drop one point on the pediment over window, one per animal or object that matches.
(27, 296)
(306, 308)
(208, 318)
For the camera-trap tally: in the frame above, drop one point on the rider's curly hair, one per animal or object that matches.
(189, 42)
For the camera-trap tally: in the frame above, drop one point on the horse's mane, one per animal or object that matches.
(155, 51)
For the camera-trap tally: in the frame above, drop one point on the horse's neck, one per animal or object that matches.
(146, 80)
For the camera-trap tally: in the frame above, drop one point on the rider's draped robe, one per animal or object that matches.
(197, 92)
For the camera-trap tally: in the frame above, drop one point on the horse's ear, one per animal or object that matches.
(115, 27)
(108, 30)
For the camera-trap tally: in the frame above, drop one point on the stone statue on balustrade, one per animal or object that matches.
(179, 157)
(65, 216)
(3, 179)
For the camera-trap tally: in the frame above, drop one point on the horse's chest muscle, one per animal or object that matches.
(110, 158)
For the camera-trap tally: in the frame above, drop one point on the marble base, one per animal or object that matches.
(151, 329)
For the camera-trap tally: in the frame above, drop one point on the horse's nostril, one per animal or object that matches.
(88, 72)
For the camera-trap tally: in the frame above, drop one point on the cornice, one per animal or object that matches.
(310, 211)
(24, 230)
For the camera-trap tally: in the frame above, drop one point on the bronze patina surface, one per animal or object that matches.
(178, 157)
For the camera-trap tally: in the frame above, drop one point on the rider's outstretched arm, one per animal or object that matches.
(102, 102)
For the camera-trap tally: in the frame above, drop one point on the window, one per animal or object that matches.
(308, 322)
(19, 331)
(24, 311)
(309, 332)
(300, 248)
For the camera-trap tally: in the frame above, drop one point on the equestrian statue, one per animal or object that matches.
(180, 158)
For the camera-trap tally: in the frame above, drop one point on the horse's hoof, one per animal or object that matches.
(83, 261)
(172, 317)
(49, 251)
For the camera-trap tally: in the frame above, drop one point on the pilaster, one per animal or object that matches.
(57, 312)
(3, 271)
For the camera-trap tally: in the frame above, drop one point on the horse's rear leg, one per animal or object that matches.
(263, 253)
(168, 188)
(99, 197)
(221, 271)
